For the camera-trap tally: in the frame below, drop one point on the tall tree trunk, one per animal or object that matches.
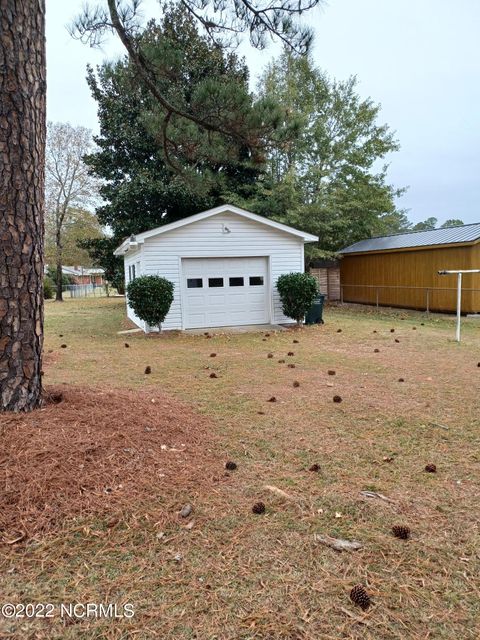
(22, 155)
(59, 281)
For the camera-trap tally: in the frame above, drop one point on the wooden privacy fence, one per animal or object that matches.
(422, 298)
(328, 280)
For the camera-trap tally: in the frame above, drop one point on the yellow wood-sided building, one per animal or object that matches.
(402, 270)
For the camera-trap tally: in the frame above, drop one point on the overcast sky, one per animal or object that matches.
(418, 58)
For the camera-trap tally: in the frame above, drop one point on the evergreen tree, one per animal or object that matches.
(323, 173)
(133, 158)
(453, 222)
(426, 225)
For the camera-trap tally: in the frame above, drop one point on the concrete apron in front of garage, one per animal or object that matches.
(247, 328)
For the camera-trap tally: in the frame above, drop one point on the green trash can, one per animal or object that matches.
(315, 313)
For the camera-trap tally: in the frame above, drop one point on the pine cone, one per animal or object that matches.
(431, 468)
(148, 370)
(401, 531)
(231, 466)
(315, 467)
(258, 508)
(337, 399)
(213, 375)
(360, 597)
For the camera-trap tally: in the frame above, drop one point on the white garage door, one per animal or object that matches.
(224, 291)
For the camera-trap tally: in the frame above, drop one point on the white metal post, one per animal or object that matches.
(459, 293)
(459, 305)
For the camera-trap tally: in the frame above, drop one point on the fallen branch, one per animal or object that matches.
(297, 502)
(441, 426)
(374, 494)
(339, 544)
(15, 540)
(279, 492)
(354, 617)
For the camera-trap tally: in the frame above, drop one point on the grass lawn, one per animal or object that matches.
(234, 575)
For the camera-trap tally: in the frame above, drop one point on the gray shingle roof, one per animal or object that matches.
(449, 235)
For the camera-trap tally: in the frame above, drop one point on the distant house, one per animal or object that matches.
(224, 264)
(402, 270)
(85, 275)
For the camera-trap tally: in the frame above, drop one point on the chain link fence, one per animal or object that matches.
(87, 290)
(421, 298)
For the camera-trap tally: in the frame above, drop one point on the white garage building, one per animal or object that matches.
(224, 264)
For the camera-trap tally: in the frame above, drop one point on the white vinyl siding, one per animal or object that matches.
(132, 270)
(225, 235)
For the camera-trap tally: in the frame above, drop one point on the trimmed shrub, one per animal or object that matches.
(151, 298)
(297, 293)
(48, 288)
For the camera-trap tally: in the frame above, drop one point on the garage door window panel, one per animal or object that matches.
(215, 283)
(235, 281)
(194, 283)
(256, 281)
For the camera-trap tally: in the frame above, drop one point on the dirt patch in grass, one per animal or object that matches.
(93, 452)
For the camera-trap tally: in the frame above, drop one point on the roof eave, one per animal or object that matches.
(449, 245)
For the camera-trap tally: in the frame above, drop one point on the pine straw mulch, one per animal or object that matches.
(91, 452)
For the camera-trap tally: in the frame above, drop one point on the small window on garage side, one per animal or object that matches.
(256, 281)
(235, 281)
(133, 273)
(194, 283)
(215, 282)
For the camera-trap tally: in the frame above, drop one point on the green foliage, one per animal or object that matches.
(151, 298)
(82, 225)
(323, 173)
(52, 275)
(452, 222)
(101, 252)
(427, 225)
(48, 288)
(297, 293)
(432, 223)
(138, 145)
